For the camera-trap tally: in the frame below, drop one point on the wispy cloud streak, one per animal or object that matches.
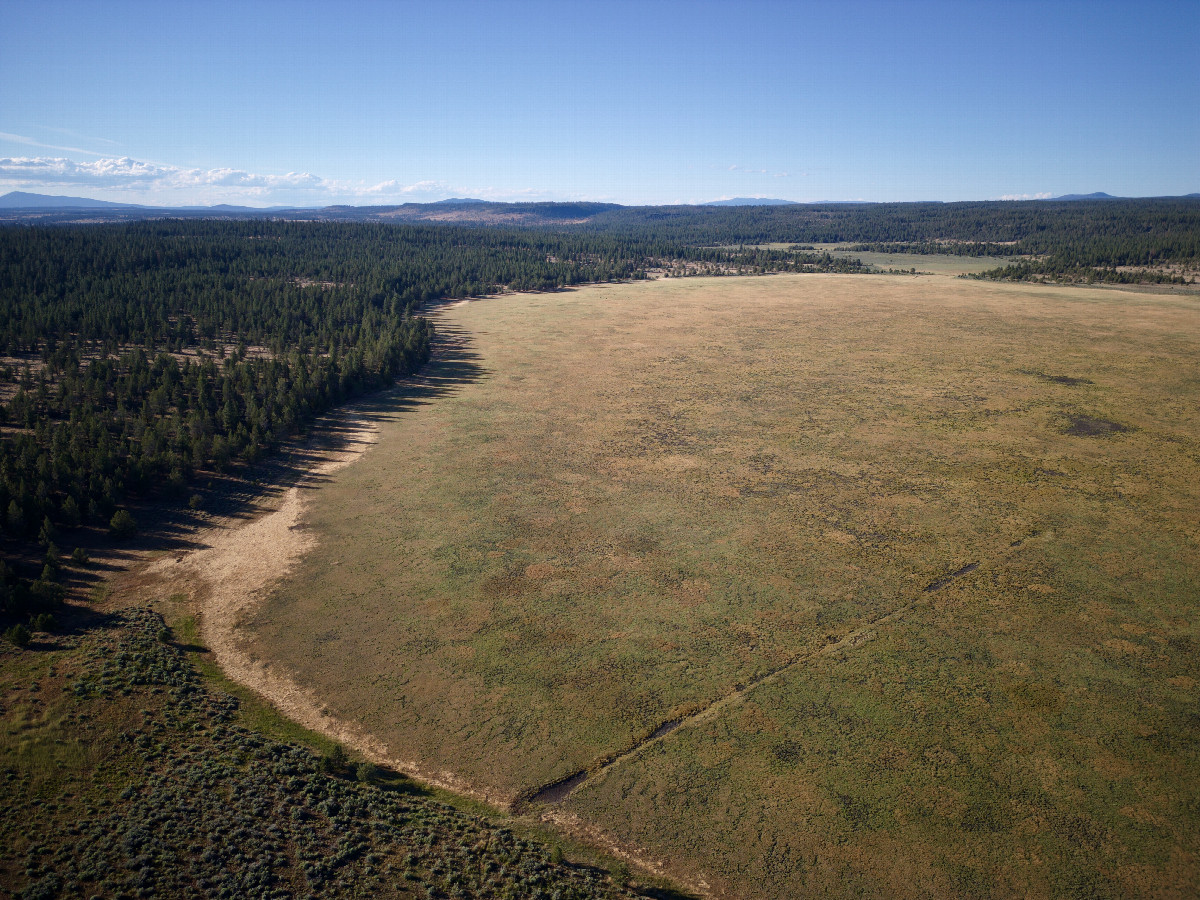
(156, 183)
(22, 139)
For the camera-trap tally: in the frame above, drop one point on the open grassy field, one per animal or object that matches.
(934, 264)
(914, 560)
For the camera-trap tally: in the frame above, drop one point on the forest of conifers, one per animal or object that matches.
(1098, 232)
(139, 355)
(1093, 240)
(1067, 240)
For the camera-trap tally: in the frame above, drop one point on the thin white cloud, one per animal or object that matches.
(394, 188)
(44, 170)
(128, 178)
(1044, 195)
(22, 139)
(746, 170)
(86, 137)
(440, 190)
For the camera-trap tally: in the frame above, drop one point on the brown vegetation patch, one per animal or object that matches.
(1069, 380)
(1091, 426)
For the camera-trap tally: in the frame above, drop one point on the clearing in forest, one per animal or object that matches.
(921, 552)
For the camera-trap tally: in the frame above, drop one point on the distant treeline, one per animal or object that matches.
(1061, 269)
(139, 355)
(1099, 234)
(1114, 232)
(1068, 240)
(1059, 236)
(1089, 233)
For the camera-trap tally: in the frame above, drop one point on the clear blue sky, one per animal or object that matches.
(312, 103)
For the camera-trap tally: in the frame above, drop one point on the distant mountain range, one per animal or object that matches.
(750, 201)
(49, 209)
(764, 201)
(767, 201)
(1099, 195)
(26, 200)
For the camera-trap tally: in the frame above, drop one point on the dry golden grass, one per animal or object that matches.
(626, 502)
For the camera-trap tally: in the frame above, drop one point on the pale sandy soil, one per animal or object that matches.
(227, 577)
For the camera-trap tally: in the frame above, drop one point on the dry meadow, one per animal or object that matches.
(914, 561)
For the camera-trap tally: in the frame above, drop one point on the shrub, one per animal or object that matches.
(44, 622)
(80, 557)
(122, 524)
(18, 635)
(47, 593)
(334, 760)
(366, 772)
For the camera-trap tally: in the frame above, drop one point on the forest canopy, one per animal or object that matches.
(136, 356)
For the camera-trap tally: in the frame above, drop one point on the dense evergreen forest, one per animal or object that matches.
(1095, 234)
(1114, 241)
(1100, 231)
(1110, 240)
(136, 356)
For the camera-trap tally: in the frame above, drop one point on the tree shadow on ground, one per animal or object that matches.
(656, 893)
(169, 525)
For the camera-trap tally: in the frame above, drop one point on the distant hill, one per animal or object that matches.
(751, 201)
(25, 200)
(479, 212)
(740, 220)
(1100, 195)
(225, 207)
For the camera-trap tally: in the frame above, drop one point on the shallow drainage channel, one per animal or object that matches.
(557, 791)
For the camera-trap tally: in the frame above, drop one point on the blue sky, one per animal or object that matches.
(315, 103)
